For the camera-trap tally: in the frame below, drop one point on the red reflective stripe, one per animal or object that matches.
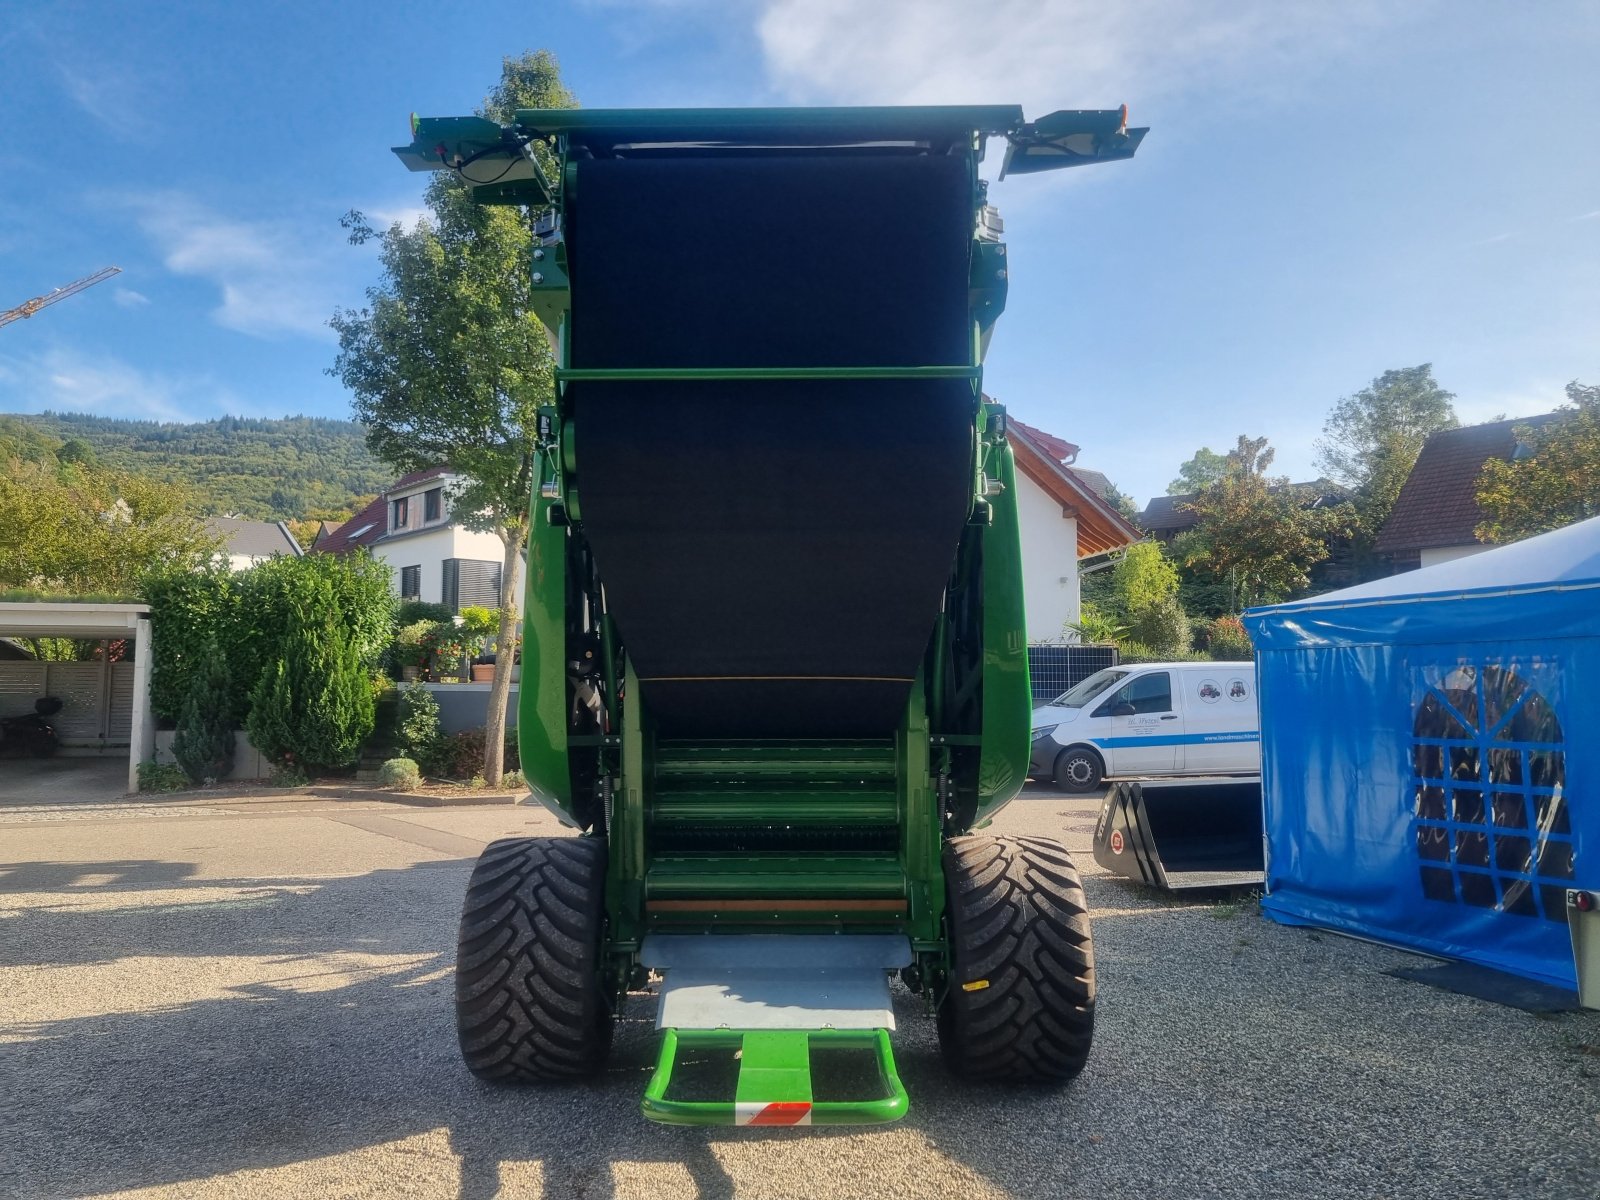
(783, 1112)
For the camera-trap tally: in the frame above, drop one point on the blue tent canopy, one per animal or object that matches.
(1430, 758)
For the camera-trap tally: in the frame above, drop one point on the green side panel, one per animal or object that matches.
(1007, 701)
(921, 843)
(550, 294)
(542, 698)
(625, 826)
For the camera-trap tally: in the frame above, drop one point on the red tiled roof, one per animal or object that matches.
(1039, 457)
(1058, 449)
(1438, 504)
(372, 522)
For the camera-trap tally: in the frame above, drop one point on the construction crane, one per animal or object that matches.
(28, 307)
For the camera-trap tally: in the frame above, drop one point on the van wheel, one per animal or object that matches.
(1079, 769)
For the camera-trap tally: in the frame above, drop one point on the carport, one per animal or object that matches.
(91, 621)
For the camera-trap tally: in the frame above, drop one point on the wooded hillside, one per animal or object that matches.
(269, 469)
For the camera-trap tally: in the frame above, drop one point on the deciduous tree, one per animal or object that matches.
(1554, 485)
(1255, 531)
(1201, 471)
(77, 528)
(1371, 440)
(449, 364)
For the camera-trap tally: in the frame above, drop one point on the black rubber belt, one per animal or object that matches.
(773, 552)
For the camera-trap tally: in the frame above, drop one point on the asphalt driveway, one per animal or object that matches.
(64, 779)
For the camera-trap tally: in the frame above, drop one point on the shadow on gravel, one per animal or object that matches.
(49, 876)
(307, 1059)
(1222, 1049)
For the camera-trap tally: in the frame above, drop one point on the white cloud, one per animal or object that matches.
(1588, 216)
(1531, 398)
(406, 215)
(109, 96)
(1049, 54)
(128, 298)
(79, 381)
(274, 276)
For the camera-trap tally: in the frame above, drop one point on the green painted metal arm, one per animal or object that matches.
(798, 125)
(661, 374)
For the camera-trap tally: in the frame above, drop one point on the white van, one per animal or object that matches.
(1150, 719)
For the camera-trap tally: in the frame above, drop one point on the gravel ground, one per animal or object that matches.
(257, 1003)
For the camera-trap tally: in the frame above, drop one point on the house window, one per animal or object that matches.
(402, 511)
(410, 583)
(433, 504)
(470, 581)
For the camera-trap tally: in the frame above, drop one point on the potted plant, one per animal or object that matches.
(478, 627)
(445, 645)
(411, 650)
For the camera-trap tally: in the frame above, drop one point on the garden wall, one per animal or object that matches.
(466, 706)
(247, 760)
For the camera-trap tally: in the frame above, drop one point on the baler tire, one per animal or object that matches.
(1093, 775)
(530, 1005)
(1020, 1003)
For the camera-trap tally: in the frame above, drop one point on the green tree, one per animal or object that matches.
(1144, 578)
(1256, 533)
(1122, 502)
(1201, 471)
(203, 744)
(448, 363)
(80, 529)
(1371, 440)
(1553, 486)
(313, 705)
(76, 450)
(192, 609)
(357, 593)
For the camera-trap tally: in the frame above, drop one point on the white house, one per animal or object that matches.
(246, 543)
(434, 557)
(1064, 517)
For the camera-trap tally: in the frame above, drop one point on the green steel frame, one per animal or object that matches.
(961, 751)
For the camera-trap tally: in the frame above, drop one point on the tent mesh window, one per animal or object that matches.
(1488, 779)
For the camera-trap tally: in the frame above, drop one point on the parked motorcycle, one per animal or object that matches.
(31, 733)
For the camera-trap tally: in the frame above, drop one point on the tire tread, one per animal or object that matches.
(529, 1004)
(1018, 920)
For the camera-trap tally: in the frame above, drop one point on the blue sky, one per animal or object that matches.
(1328, 190)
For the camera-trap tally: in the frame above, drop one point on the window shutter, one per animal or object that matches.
(471, 581)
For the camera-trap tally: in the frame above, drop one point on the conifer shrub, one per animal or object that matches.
(203, 744)
(312, 706)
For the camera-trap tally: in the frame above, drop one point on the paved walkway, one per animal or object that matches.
(64, 779)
